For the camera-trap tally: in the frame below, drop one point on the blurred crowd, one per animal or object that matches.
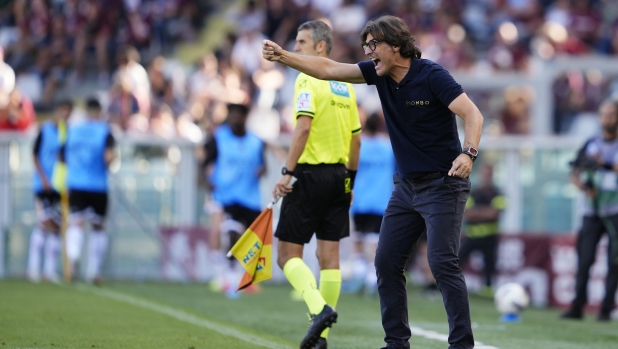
(129, 46)
(49, 45)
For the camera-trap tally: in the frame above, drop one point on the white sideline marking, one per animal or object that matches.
(444, 326)
(182, 316)
(417, 331)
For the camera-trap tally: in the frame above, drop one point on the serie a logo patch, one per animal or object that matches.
(303, 102)
(339, 88)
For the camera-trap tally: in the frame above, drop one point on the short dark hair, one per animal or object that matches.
(394, 31)
(320, 31)
(65, 103)
(243, 109)
(93, 103)
(372, 123)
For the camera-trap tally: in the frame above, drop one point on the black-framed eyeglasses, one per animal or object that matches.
(372, 44)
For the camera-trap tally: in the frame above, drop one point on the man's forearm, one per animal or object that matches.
(299, 140)
(473, 127)
(310, 65)
(322, 68)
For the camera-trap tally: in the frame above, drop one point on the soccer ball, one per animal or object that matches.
(511, 298)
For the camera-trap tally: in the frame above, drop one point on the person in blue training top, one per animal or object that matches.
(45, 238)
(235, 159)
(419, 99)
(88, 151)
(374, 185)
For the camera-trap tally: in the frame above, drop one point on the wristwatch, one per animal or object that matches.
(472, 152)
(285, 171)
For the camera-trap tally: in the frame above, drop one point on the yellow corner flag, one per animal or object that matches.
(254, 250)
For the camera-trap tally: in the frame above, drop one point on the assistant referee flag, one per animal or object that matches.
(254, 250)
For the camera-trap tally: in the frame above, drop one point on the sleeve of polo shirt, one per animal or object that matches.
(443, 86)
(304, 97)
(369, 71)
(355, 120)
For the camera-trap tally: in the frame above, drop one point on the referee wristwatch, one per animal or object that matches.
(472, 152)
(285, 171)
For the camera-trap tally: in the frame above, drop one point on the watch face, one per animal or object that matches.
(472, 151)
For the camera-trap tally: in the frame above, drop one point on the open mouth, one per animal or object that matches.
(376, 62)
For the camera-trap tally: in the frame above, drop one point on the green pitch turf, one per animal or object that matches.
(128, 315)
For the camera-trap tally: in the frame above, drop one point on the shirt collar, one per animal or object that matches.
(415, 65)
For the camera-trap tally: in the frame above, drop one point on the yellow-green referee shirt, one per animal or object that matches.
(332, 105)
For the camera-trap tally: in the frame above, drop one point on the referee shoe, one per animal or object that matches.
(321, 344)
(326, 318)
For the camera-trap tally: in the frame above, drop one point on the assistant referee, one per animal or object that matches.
(323, 157)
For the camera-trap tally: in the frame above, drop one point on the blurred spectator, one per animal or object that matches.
(483, 210)
(157, 78)
(16, 111)
(7, 75)
(53, 61)
(123, 104)
(96, 23)
(247, 51)
(205, 84)
(128, 64)
(349, 19)
(162, 89)
(594, 173)
(515, 116)
(48, 41)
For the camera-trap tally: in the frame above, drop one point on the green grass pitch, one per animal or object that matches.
(151, 315)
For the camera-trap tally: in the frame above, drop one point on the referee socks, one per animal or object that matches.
(330, 288)
(303, 281)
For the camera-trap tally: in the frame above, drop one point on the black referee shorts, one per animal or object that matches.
(241, 214)
(81, 201)
(368, 223)
(50, 206)
(319, 203)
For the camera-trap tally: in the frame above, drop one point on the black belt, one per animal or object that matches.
(429, 176)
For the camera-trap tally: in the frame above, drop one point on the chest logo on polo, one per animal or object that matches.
(417, 102)
(339, 88)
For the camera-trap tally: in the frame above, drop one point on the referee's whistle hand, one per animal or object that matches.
(462, 166)
(271, 51)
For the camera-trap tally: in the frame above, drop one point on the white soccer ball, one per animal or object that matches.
(511, 298)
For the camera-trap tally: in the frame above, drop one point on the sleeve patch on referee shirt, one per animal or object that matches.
(303, 102)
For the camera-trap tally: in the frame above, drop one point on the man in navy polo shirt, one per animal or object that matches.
(419, 100)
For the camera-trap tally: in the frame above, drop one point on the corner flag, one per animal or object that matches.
(254, 250)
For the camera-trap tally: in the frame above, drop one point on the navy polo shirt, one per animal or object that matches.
(422, 128)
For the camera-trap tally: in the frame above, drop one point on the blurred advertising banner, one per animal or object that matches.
(545, 265)
(184, 254)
